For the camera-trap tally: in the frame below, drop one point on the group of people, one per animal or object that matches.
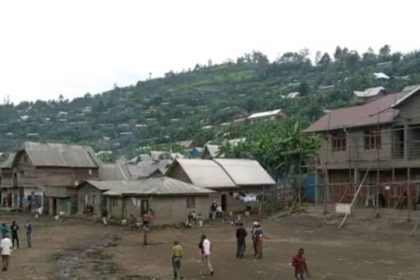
(7, 245)
(216, 211)
(205, 246)
(194, 219)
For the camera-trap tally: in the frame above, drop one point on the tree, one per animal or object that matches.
(385, 53)
(352, 59)
(318, 56)
(369, 57)
(304, 88)
(325, 60)
(396, 57)
(338, 54)
(281, 147)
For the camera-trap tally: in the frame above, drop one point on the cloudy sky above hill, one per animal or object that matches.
(51, 47)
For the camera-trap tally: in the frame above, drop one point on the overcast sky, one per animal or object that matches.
(48, 48)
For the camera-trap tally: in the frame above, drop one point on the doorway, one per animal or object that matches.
(224, 202)
(54, 206)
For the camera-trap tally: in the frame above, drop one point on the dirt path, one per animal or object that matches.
(76, 249)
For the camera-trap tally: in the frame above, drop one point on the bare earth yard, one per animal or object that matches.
(77, 249)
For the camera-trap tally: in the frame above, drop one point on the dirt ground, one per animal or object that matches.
(366, 249)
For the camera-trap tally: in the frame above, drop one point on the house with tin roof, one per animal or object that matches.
(45, 175)
(228, 177)
(169, 200)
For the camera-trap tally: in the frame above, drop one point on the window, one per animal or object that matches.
(339, 142)
(190, 202)
(372, 139)
(114, 202)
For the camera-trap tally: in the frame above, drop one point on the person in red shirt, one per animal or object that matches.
(299, 263)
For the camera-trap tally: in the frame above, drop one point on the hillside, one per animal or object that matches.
(178, 106)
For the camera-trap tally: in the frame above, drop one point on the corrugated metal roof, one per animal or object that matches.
(411, 91)
(378, 111)
(369, 92)
(265, 114)
(245, 172)
(213, 150)
(113, 171)
(150, 186)
(165, 186)
(206, 173)
(114, 185)
(143, 169)
(8, 162)
(61, 155)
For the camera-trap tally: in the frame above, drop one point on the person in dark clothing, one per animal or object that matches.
(15, 238)
(241, 235)
(28, 229)
(213, 209)
(381, 200)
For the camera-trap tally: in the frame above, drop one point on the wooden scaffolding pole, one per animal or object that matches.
(355, 197)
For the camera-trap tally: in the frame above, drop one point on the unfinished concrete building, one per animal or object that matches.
(377, 144)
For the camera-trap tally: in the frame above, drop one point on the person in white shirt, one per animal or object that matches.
(205, 251)
(5, 246)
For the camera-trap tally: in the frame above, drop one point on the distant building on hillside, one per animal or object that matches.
(368, 94)
(267, 115)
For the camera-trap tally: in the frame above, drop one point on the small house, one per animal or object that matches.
(45, 175)
(169, 200)
(225, 176)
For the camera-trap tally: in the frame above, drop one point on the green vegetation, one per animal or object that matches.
(178, 106)
(280, 147)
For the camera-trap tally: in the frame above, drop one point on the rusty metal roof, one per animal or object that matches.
(378, 111)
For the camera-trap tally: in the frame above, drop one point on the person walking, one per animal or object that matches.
(28, 230)
(4, 230)
(147, 227)
(258, 235)
(177, 254)
(213, 209)
(6, 248)
(15, 238)
(205, 250)
(104, 216)
(241, 235)
(299, 263)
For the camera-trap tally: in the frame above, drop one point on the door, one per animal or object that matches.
(54, 206)
(144, 206)
(66, 206)
(224, 202)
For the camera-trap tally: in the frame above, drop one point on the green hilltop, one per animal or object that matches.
(194, 103)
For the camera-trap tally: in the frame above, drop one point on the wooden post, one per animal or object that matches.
(355, 197)
(316, 187)
(326, 191)
(391, 191)
(409, 201)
